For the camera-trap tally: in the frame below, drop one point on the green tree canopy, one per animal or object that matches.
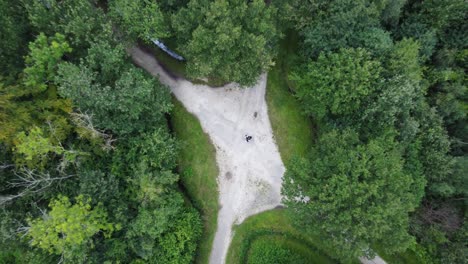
(68, 225)
(43, 59)
(353, 195)
(139, 18)
(331, 25)
(229, 39)
(33, 100)
(117, 94)
(13, 36)
(337, 83)
(80, 20)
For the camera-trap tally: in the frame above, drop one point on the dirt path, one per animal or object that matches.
(250, 172)
(376, 260)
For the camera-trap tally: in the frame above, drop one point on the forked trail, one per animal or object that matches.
(250, 172)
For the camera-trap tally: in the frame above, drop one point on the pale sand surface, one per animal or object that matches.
(376, 260)
(250, 173)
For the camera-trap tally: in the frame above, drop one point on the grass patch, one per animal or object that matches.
(291, 128)
(278, 248)
(199, 172)
(272, 227)
(407, 257)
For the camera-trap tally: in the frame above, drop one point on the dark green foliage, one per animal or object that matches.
(337, 83)
(13, 37)
(353, 192)
(341, 23)
(230, 39)
(385, 81)
(130, 183)
(115, 93)
(418, 98)
(79, 20)
(392, 11)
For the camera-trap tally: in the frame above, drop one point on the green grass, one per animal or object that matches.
(198, 169)
(275, 227)
(407, 257)
(278, 248)
(291, 128)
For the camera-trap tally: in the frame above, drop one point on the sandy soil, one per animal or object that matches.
(376, 260)
(250, 172)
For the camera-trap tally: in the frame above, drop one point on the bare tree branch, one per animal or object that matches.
(85, 121)
(31, 182)
(6, 166)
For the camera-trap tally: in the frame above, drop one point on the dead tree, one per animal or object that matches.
(84, 120)
(31, 182)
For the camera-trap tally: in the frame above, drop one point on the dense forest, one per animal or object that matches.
(88, 161)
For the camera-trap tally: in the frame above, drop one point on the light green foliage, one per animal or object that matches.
(115, 93)
(45, 54)
(403, 60)
(357, 194)
(229, 39)
(32, 100)
(337, 83)
(139, 18)
(34, 147)
(68, 225)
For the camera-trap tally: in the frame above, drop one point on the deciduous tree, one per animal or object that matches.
(68, 225)
(337, 83)
(353, 195)
(140, 18)
(121, 97)
(229, 39)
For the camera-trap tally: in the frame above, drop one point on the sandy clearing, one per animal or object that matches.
(250, 173)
